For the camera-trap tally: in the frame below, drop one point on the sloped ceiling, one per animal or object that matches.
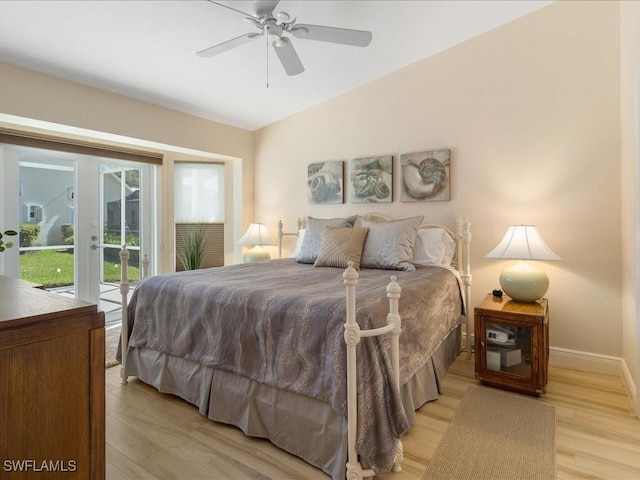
(147, 49)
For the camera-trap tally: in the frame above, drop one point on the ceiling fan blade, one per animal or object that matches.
(228, 45)
(288, 56)
(345, 36)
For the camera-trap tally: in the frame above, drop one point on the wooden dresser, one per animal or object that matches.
(52, 395)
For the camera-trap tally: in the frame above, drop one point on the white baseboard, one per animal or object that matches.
(590, 362)
(594, 362)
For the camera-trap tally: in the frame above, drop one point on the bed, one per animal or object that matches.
(262, 346)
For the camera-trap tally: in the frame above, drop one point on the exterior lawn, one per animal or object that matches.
(54, 268)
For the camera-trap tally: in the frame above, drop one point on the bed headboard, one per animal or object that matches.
(282, 234)
(460, 234)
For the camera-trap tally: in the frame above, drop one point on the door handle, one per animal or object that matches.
(95, 247)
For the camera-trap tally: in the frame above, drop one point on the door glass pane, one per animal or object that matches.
(509, 349)
(120, 200)
(46, 219)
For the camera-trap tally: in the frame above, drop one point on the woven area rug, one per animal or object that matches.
(111, 338)
(497, 435)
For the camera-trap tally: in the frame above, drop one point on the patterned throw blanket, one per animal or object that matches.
(281, 323)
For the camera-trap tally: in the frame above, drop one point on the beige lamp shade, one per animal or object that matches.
(523, 281)
(256, 235)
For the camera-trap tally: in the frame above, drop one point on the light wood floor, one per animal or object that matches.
(156, 436)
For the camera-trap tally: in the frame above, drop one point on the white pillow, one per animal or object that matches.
(296, 252)
(433, 246)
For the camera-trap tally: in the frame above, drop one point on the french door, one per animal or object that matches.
(74, 213)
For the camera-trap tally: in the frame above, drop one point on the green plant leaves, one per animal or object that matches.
(3, 245)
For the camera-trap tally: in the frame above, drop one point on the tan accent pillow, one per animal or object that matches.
(313, 235)
(340, 246)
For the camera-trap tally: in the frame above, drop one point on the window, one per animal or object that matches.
(199, 210)
(199, 193)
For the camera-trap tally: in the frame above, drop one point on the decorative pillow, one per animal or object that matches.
(296, 252)
(313, 236)
(389, 245)
(340, 246)
(433, 246)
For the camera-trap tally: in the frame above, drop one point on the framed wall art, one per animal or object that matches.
(371, 180)
(426, 176)
(325, 182)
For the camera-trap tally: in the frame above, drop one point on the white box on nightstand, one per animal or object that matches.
(493, 360)
(510, 357)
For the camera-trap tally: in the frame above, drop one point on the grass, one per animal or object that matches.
(53, 268)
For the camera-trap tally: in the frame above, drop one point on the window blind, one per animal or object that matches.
(62, 144)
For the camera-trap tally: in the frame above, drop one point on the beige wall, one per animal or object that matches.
(28, 94)
(630, 135)
(531, 113)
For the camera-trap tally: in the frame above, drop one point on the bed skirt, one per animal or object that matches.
(318, 435)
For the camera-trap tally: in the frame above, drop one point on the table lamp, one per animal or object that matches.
(523, 281)
(256, 235)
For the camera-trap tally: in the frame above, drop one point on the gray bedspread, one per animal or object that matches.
(281, 323)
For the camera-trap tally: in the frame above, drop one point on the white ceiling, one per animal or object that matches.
(146, 49)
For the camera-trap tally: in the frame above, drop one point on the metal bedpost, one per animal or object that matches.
(466, 276)
(124, 291)
(352, 338)
(280, 235)
(146, 262)
(393, 320)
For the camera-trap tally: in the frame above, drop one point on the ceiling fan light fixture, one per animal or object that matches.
(281, 42)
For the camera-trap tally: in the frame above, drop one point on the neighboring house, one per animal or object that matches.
(114, 206)
(47, 200)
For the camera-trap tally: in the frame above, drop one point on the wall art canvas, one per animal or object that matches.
(325, 182)
(426, 176)
(371, 180)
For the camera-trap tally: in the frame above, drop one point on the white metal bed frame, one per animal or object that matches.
(352, 331)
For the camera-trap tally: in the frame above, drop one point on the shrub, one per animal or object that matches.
(67, 233)
(29, 234)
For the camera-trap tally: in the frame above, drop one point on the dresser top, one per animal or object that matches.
(20, 303)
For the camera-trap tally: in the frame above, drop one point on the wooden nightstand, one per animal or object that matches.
(512, 344)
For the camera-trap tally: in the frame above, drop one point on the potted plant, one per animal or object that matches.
(4, 245)
(191, 246)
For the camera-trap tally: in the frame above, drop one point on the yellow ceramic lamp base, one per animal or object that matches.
(524, 282)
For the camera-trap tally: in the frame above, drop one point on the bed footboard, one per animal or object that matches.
(352, 336)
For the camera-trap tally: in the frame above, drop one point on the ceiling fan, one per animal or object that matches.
(279, 24)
